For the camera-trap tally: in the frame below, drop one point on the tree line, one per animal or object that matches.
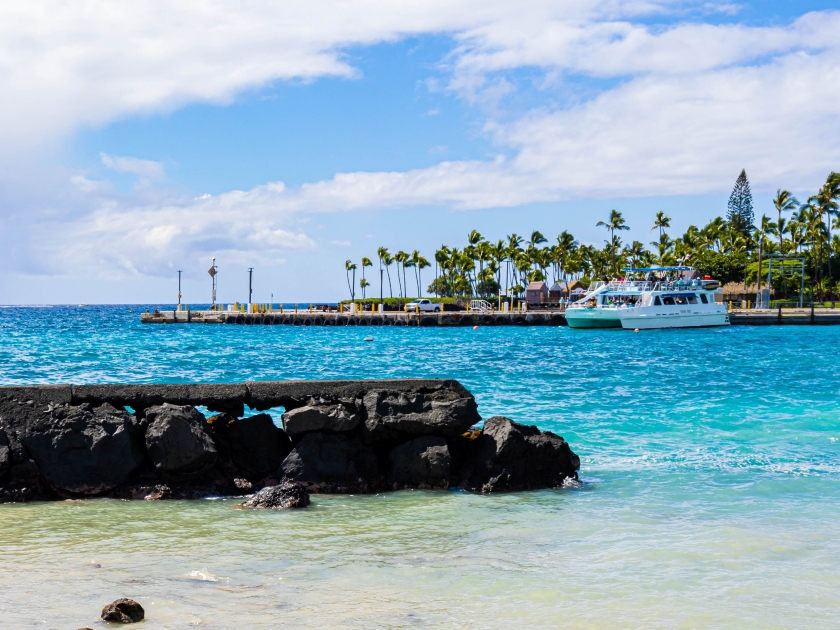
(731, 248)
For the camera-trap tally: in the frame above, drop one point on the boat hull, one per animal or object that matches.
(593, 318)
(642, 321)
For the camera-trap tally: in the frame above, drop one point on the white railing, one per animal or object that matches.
(481, 306)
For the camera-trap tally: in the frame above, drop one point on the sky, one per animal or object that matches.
(139, 139)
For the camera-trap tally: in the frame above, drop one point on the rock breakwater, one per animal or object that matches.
(154, 441)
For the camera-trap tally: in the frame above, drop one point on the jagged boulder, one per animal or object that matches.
(509, 456)
(396, 415)
(123, 611)
(84, 451)
(178, 441)
(332, 464)
(257, 445)
(5, 454)
(421, 463)
(318, 416)
(285, 496)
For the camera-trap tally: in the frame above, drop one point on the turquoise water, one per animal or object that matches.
(710, 495)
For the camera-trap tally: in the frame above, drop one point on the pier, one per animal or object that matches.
(553, 317)
(363, 318)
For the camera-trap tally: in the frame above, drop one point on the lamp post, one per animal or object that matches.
(380, 287)
(213, 271)
(250, 278)
(179, 287)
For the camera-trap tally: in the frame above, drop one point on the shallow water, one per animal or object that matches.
(710, 462)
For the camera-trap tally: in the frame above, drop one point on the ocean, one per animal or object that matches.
(709, 494)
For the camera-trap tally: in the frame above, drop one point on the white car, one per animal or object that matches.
(422, 306)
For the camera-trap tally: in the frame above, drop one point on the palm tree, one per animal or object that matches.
(365, 263)
(660, 222)
(385, 258)
(408, 262)
(382, 252)
(475, 238)
(420, 263)
(616, 222)
(663, 248)
(764, 228)
(635, 251)
(537, 238)
(348, 267)
(400, 257)
(784, 202)
(827, 201)
(514, 245)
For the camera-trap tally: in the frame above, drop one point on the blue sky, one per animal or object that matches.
(289, 138)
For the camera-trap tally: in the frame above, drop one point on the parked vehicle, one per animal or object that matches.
(417, 306)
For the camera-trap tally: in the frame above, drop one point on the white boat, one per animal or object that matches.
(668, 297)
(600, 306)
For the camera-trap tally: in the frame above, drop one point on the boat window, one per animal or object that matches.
(680, 300)
(692, 299)
(703, 298)
(657, 301)
(668, 301)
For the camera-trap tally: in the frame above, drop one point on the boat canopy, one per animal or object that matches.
(656, 268)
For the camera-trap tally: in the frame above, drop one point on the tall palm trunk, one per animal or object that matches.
(758, 273)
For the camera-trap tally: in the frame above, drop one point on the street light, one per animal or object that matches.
(250, 277)
(179, 287)
(213, 271)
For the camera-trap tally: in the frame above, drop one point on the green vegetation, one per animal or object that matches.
(731, 249)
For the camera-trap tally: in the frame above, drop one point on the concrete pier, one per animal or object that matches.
(388, 318)
(555, 317)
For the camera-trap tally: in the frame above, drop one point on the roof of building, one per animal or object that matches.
(537, 286)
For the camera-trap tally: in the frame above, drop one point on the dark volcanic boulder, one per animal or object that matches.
(257, 445)
(285, 496)
(321, 417)
(86, 452)
(123, 611)
(5, 454)
(178, 441)
(508, 456)
(332, 463)
(420, 463)
(394, 415)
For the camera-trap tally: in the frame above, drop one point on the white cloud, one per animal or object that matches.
(683, 109)
(146, 169)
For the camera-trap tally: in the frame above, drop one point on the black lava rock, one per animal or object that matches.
(333, 464)
(285, 496)
(420, 463)
(123, 611)
(179, 442)
(86, 452)
(509, 456)
(257, 445)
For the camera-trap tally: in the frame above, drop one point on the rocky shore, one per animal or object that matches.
(152, 441)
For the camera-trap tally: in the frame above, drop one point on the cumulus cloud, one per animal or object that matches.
(672, 108)
(88, 63)
(146, 169)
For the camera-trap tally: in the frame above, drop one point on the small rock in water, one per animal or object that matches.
(287, 495)
(243, 484)
(123, 611)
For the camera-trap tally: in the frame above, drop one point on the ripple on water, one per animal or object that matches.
(709, 498)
